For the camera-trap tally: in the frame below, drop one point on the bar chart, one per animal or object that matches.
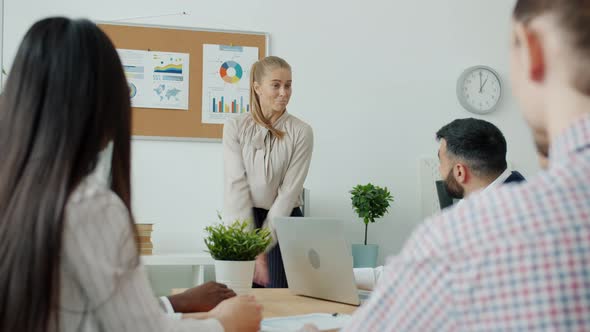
(223, 105)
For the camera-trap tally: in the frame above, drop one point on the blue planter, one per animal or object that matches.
(365, 255)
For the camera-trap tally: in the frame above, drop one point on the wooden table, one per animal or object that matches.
(280, 302)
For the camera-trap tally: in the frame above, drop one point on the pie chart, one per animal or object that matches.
(132, 90)
(231, 72)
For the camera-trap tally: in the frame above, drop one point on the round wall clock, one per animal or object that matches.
(479, 89)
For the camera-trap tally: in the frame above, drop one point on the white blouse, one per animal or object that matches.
(102, 287)
(263, 171)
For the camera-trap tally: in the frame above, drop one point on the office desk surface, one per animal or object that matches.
(280, 302)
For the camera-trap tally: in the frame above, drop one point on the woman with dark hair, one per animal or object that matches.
(69, 259)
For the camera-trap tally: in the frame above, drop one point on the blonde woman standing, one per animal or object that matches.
(267, 153)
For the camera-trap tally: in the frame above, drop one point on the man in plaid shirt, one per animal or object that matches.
(516, 257)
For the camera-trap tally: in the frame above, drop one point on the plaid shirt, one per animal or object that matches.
(513, 258)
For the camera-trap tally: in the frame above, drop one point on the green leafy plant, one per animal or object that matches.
(370, 202)
(236, 242)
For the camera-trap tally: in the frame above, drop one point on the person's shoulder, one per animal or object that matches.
(297, 122)
(483, 218)
(299, 126)
(241, 119)
(93, 202)
(495, 219)
(94, 190)
(237, 123)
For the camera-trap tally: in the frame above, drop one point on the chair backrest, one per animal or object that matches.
(429, 174)
(444, 200)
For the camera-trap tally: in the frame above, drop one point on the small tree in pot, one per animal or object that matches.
(234, 248)
(369, 202)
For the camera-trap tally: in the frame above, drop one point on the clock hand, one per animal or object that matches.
(480, 86)
(484, 83)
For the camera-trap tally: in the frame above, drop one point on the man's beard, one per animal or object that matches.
(453, 187)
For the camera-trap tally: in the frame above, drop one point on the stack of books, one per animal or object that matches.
(144, 238)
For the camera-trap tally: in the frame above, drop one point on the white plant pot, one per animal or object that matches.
(237, 275)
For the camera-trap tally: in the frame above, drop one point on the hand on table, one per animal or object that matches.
(201, 298)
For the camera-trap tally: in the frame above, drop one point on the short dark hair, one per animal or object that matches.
(479, 143)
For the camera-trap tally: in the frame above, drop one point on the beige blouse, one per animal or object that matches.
(263, 171)
(102, 287)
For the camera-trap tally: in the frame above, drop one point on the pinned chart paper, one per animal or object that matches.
(226, 81)
(157, 79)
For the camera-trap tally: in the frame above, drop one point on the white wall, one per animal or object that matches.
(1, 44)
(375, 79)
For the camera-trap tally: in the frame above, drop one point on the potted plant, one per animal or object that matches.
(369, 202)
(234, 248)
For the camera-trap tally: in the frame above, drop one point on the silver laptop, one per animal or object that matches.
(317, 259)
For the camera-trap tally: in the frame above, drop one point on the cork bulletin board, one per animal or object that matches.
(153, 123)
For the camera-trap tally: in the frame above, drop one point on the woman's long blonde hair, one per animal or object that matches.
(260, 69)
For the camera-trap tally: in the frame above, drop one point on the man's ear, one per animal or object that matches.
(531, 52)
(461, 173)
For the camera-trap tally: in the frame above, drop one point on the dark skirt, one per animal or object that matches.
(276, 270)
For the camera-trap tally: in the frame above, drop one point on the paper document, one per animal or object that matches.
(156, 79)
(294, 323)
(226, 81)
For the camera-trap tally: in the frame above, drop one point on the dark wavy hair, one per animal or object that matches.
(66, 97)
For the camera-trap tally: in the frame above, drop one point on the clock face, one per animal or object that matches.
(479, 89)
